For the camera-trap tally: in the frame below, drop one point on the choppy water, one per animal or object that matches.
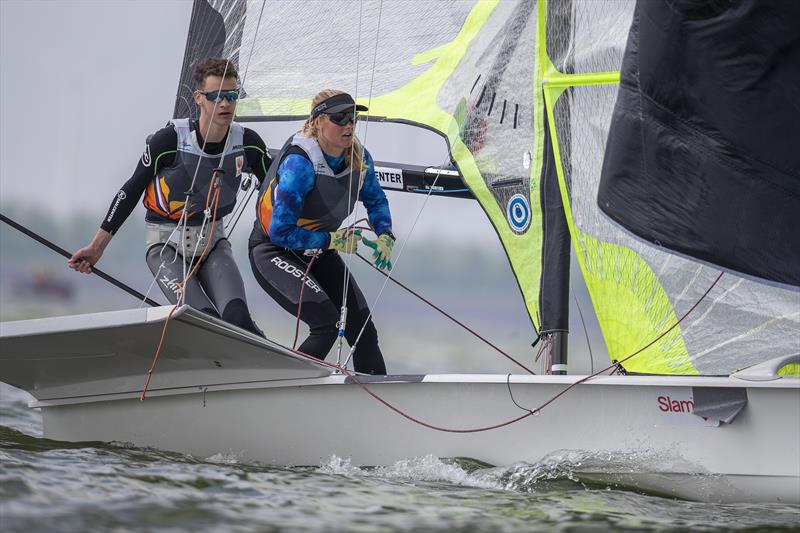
(66, 487)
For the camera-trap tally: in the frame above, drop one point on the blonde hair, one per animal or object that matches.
(309, 129)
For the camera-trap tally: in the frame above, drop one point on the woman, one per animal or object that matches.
(310, 189)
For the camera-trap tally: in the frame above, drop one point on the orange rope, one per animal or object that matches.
(158, 351)
(214, 185)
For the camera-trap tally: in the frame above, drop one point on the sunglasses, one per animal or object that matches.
(217, 96)
(343, 118)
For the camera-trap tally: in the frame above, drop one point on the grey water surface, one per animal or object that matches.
(56, 486)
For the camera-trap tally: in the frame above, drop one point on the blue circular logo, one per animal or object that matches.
(518, 213)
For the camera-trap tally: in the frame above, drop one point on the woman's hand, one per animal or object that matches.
(345, 240)
(382, 250)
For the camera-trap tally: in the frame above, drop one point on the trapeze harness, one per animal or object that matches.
(280, 270)
(217, 287)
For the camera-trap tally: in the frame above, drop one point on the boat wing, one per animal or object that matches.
(111, 352)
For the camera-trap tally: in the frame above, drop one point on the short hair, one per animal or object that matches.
(213, 66)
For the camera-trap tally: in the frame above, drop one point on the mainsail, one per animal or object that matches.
(462, 68)
(523, 92)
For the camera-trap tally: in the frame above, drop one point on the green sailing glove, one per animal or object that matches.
(345, 240)
(382, 250)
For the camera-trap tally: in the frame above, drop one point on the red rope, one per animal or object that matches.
(637, 352)
(530, 412)
(445, 313)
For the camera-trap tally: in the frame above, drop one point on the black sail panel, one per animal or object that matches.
(210, 35)
(703, 153)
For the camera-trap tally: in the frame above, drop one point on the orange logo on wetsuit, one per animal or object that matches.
(264, 210)
(307, 223)
(156, 199)
(266, 206)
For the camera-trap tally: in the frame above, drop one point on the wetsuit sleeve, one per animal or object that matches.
(255, 150)
(374, 200)
(159, 152)
(297, 179)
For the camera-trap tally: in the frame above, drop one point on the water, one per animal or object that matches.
(67, 487)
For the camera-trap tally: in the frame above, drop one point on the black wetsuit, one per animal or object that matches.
(294, 215)
(159, 154)
(217, 287)
(280, 272)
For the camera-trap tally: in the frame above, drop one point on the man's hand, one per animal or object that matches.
(382, 250)
(345, 240)
(84, 259)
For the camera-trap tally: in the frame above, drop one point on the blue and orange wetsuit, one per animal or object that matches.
(297, 209)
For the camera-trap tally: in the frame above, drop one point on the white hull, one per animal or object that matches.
(614, 425)
(614, 430)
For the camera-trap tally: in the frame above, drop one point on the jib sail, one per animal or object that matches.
(640, 289)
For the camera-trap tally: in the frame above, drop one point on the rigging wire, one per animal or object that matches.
(152, 283)
(251, 187)
(253, 43)
(235, 216)
(397, 260)
(212, 198)
(352, 209)
(585, 332)
(184, 218)
(182, 286)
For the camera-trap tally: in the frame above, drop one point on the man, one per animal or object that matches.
(190, 174)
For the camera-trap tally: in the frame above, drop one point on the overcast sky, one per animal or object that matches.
(83, 83)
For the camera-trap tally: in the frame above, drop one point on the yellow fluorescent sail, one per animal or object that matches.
(467, 70)
(495, 78)
(639, 291)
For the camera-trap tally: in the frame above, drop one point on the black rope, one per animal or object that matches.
(511, 394)
(19, 227)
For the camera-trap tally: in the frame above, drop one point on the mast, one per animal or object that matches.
(554, 293)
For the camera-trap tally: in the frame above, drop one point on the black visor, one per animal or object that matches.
(336, 103)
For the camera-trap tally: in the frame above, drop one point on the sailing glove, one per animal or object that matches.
(345, 240)
(382, 250)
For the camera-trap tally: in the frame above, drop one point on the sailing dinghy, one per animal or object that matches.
(525, 94)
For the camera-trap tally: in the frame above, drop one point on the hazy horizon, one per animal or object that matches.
(79, 100)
